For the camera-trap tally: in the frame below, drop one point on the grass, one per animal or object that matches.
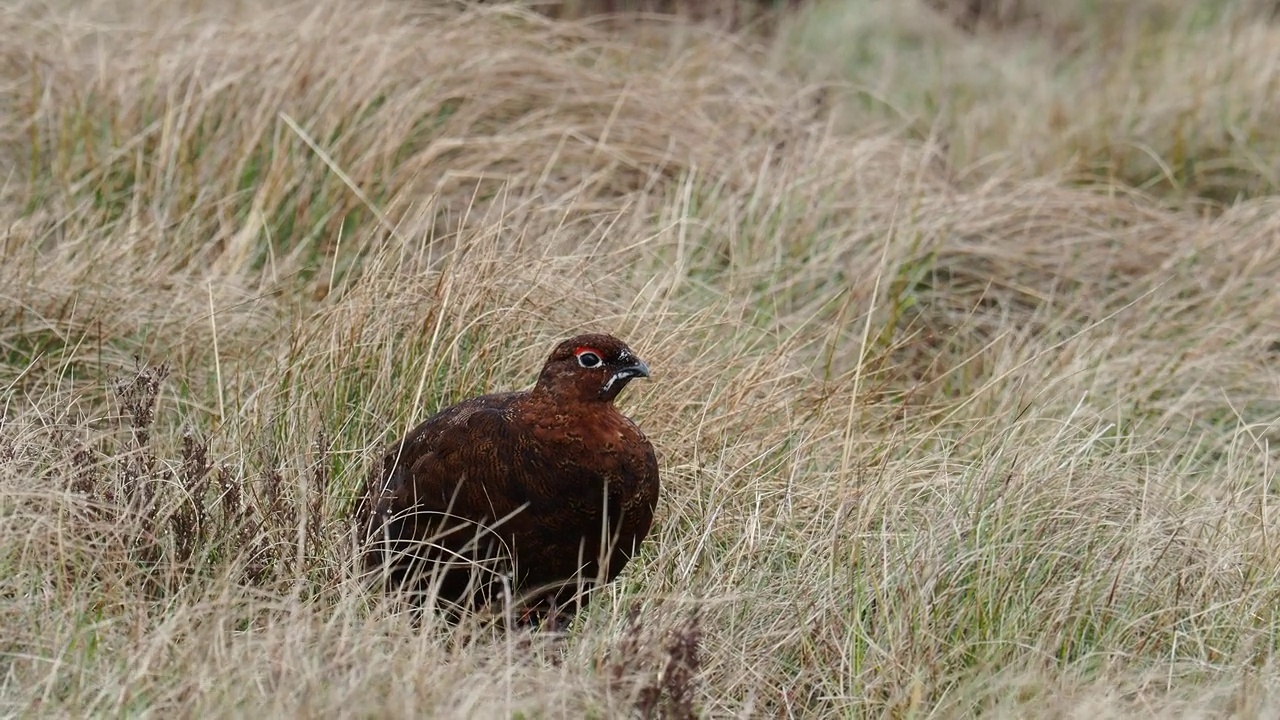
(1168, 96)
(963, 342)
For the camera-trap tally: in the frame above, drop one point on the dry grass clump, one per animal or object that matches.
(936, 438)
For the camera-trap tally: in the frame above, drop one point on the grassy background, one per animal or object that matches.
(961, 316)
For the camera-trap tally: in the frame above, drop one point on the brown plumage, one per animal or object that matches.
(508, 494)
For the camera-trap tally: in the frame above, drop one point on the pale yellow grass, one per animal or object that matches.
(935, 441)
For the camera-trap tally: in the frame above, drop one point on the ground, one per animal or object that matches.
(961, 320)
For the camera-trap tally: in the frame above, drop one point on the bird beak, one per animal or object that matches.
(619, 378)
(635, 370)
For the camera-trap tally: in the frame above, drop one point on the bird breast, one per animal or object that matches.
(604, 442)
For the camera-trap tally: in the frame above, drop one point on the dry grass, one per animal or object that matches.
(1181, 97)
(942, 433)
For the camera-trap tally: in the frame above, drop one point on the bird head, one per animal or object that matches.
(591, 368)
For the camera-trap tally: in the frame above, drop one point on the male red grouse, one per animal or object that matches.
(534, 495)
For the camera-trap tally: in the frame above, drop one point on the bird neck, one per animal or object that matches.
(565, 394)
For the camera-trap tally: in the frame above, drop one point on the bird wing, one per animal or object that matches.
(455, 464)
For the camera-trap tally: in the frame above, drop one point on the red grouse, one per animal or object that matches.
(535, 495)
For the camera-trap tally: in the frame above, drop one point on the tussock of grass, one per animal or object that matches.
(960, 438)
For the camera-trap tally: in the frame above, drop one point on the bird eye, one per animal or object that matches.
(588, 359)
